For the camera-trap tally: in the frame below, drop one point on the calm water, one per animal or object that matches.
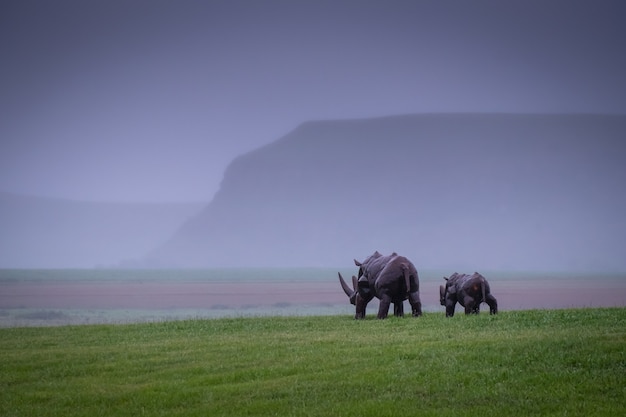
(58, 297)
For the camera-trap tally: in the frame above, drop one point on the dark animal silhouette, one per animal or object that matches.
(391, 278)
(467, 290)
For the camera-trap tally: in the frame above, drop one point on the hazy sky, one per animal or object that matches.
(150, 100)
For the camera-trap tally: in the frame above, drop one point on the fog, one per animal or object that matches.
(466, 191)
(58, 233)
(150, 101)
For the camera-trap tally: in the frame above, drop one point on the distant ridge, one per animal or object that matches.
(520, 191)
(42, 232)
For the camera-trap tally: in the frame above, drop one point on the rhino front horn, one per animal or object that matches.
(349, 291)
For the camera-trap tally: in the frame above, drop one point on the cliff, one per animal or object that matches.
(473, 191)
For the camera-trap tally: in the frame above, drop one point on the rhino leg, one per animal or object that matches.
(450, 305)
(416, 304)
(470, 304)
(398, 309)
(492, 303)
(383, 307)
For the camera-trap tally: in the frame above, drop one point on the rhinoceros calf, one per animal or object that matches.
(467, 290)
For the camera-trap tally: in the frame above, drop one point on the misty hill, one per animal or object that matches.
(458, 191)
(40, 232)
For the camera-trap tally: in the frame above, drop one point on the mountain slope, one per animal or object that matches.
(470, 191)
(55, 233)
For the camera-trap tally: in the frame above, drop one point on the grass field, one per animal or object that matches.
(518, 363)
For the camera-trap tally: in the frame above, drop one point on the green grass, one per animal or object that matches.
(554, 362)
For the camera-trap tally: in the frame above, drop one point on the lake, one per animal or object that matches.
(89, 296)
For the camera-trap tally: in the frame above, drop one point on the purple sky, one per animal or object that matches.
(150, 100)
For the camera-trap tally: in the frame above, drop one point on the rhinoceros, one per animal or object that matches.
(392, 279)
(469, 291)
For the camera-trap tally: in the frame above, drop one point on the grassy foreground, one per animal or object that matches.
(554, 362)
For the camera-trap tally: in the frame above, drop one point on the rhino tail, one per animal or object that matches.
(407, 279)
(483, 288)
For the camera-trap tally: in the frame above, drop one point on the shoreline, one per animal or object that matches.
(56, 301)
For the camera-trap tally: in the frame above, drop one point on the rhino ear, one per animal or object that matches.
(357, 263)
(446, 278)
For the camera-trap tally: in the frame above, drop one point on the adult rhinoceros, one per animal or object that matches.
(391, 278)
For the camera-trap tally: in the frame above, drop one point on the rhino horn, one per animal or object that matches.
(349, 291)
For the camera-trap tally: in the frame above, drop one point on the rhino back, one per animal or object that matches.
(392, 277)
(472, 283)
(374, 266)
